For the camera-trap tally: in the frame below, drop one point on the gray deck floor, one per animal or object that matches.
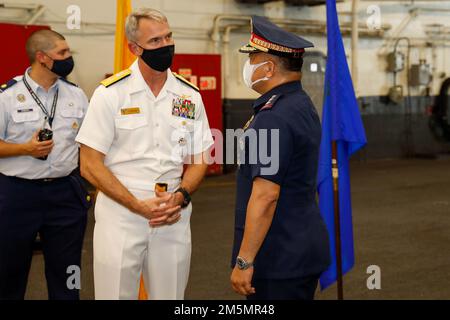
(401, 212)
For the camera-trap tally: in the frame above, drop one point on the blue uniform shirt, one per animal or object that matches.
(297, 242)
(20, 117)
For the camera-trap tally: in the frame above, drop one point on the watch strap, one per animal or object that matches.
(186, 196)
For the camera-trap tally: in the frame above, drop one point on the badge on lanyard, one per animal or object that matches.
(182, 107)
(48, 116)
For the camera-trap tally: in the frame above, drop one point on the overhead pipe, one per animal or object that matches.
(308, 26)
(40, 11)
(35, 9)
(320, 27)
(412, 14)
(225, 56)
(24, 6)
(215, 35)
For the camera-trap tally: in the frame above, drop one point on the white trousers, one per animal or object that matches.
(126, 246)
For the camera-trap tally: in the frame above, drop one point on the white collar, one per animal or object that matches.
(137, 82)
(34, 85)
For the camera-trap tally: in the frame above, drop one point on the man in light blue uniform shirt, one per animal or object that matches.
(41, 191)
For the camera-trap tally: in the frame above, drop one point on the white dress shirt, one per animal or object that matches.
(143, 141)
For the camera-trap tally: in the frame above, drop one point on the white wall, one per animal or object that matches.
(192, 21)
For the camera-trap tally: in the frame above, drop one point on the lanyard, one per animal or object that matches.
(50, 116)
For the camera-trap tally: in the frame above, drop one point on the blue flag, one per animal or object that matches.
(341, 122)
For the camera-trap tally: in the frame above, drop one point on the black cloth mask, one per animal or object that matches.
(159, 59)
(63, 67)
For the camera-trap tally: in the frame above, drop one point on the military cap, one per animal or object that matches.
(270, 38)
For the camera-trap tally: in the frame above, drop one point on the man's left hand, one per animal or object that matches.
(241, 281)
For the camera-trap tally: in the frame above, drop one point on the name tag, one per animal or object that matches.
(25, 110)
(127, 111)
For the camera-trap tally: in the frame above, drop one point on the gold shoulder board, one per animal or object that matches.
(190, 84)
(116, 78)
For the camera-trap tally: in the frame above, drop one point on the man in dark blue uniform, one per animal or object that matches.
(281, 242)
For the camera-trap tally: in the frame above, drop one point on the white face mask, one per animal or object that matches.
(248, 71)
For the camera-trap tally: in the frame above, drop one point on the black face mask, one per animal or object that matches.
(159, 59)
(63, 67)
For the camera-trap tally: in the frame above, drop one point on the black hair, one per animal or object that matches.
(291, 64)
(41, 40)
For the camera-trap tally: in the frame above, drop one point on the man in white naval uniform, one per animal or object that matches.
(141, 126)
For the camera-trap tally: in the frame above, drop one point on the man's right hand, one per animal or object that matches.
(38, 149)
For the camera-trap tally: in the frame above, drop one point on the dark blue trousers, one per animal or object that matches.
(284, 289)
(58, 212)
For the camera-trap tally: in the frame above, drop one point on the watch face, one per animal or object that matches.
(240, 263)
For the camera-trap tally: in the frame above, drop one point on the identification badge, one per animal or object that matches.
(25, 110)
(184, 108)
(128, 111)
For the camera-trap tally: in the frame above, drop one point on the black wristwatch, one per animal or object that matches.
(186, 195)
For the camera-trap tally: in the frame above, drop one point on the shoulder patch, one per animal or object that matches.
(270, 103)
(67, 81)
(7, 85)
(190, 84)
(116, 78)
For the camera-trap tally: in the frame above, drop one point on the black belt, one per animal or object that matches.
(49, 180)
(43, 180)
(37, 181)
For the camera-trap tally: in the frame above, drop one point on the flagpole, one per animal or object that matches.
(337, 220)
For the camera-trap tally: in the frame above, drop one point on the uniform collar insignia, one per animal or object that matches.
(270, 102)
(285, 88)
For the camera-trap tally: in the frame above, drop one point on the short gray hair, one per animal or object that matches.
(41, 40)
(132, 22)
